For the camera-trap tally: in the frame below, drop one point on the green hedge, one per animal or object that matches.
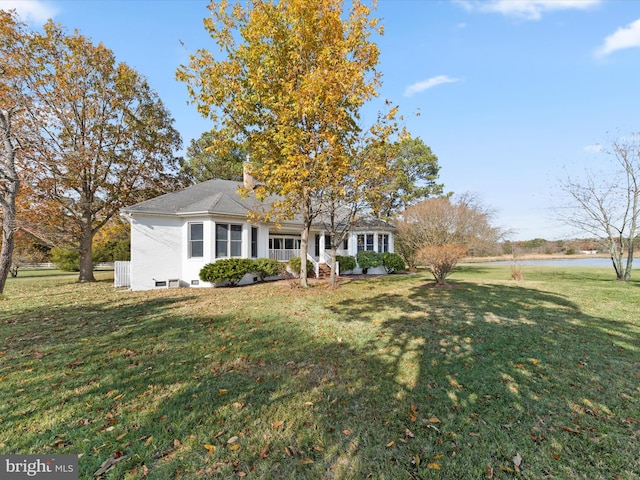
(267, 267)
(230, 270)
(347, 263)
(295, 264)
(368, 259)
(392, 262)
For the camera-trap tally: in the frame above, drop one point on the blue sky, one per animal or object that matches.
(510, 95)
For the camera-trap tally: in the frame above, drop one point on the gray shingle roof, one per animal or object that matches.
(211, 197)
(220, 197)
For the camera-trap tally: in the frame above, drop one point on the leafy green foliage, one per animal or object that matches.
(368, 259)
(112, 251)
(204, 161)
(347, 263)
(392, 262)
(66, 260)
(268, 267)
(294, 265)
(230, 270)
(411, 177)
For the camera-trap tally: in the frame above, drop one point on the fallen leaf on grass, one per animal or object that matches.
(517, 460)
(210, 448)
(149, 440)
(305, 461)
(433, 466)
(346, 432)
(434, 420)
(391, 443)
(222, 391)
(263, 452)
(109, 463)
(555, 456)
(438, 457)
(232, 440)
(409, 433)
(277, 424)
(571, 430)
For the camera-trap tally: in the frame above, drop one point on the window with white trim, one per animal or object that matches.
(365, 241)
(383, 242)
(228, 240)
(196, 240)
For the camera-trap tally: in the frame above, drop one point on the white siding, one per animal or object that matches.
(156, 250)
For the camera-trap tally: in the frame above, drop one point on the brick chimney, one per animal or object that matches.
(247, 179)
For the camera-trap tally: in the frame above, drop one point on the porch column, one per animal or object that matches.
(321, 257)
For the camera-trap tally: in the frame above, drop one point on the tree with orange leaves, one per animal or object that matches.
(288, 83)
(101, 137)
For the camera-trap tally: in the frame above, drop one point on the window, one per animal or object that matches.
(228, 240)
(383, 242)
(254, 242)
(365, 242)
(196, 240)
(345, 244)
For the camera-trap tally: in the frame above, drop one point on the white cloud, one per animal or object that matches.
(426, 84)
(526, 9)
(624, 37)
(597, 148)
(35, 11)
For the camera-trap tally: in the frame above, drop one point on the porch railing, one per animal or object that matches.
(284, 254)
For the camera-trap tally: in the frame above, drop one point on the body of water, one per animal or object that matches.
(567, 262)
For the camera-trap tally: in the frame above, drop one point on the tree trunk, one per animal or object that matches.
(86, 253)
(304, 247)
(629, 266)
(11, 182)
(8, 230)
(332, 277)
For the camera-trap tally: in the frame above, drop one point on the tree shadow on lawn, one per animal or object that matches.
(177, 389)
(385, 386)
(506, 370)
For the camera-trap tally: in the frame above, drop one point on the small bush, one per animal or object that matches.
(294, 265)
(230, 270)
(112, 251)
(392, 262)
(267, 267)
(441, 259)
(368, 259)
(347, 263)
(66, 260)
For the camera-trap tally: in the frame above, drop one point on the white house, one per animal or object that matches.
(173, 236)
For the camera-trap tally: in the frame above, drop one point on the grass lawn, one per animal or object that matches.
(384, 378)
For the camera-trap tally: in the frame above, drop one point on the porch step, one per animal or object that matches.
(324, 270)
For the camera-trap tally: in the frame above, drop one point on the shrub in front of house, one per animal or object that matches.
(368, 259)
(392, 262)
(268, 267)
(230, 270)
(295, 263)
(347, 263)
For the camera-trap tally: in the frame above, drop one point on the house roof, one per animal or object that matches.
(221, 197)
(211, 197)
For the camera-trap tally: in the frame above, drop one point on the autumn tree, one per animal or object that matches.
(11, 128)
(411, 176)
(204, 161)
(462, 221)
(607, 204)
(103, 138)
(287, 83)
